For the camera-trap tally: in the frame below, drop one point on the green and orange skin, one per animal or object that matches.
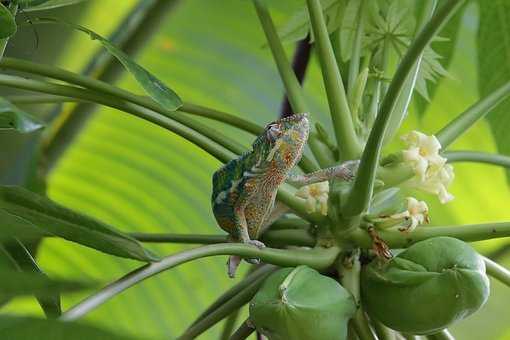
(244, 189)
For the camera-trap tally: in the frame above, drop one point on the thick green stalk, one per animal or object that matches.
(243, 332)
(295, 237)
(293, 88)
(404, 98)
(346, 137)
(229, 325)
(467, 233)
(362, 190)
(453, 130)
(350, 280)
(477, 157)
(356, 49)
(319, 258)
(290, 81)
(497, 271)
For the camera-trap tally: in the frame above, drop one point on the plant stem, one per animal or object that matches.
(467, 233)
(222, 311)
(271, 237)
(259, 273)
(478, 157)
(198, 139)
(356, 49)
(319, 258)
(346, 137)
(362, 190)
(294, 91)
(459, 125)
(229, 325)
(497, 271)
(404, 97)
(243, 332)
(40, 99)
(350, 280)
(292, 85)
(383, 332)
(443, 335)
(107, 89)
(299, 65)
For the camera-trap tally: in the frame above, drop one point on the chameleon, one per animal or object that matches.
(244, 189)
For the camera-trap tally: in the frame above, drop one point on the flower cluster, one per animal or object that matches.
(316, 196)
(432, 174)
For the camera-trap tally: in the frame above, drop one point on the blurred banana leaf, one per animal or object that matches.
(138, 177)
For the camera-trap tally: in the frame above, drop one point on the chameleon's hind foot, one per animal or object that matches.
(257, 244)
(232, 264)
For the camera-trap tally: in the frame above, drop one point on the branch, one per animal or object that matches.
(343, 126)
(467, 233)
(497, 271)
(300, 238)
(478, 157)
(319, 258)
(243, 332)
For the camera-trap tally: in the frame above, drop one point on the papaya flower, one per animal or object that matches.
(432, 174)
(417, 213)
(316, 196)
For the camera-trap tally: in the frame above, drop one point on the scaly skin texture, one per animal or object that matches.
(244, 189)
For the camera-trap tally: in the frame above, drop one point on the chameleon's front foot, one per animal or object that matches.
(234, 260)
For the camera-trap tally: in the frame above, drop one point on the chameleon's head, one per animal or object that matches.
(284, 140)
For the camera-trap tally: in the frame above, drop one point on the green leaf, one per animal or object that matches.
(16, 283)
(154, 87)
(49, 301)
(12, 118)
(57, 220)
(7, 23)
(40, 5)
(493, 64)
(23, 328)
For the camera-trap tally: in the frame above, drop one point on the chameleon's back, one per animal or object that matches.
(227, 181)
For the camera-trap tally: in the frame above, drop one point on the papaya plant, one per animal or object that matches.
(348, 251)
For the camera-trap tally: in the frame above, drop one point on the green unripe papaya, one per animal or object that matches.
(301, 304)
(427, 287)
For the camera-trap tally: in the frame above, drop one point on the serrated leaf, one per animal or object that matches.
(23, 328)
(57, 220)
(12, 118)
(7, 23)
(41, 5)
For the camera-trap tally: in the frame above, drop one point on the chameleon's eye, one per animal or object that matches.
(273, 131)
